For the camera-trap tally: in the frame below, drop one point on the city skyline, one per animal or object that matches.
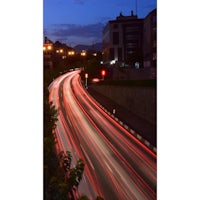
(81, 22)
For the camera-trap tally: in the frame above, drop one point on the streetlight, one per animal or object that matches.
(47, 53)
(86, 77)
(47, 47)
(83, 53)
(71, 53)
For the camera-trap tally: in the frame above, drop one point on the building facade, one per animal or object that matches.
(129, 41)
(48, 53)
(150, 39)
(122, 41)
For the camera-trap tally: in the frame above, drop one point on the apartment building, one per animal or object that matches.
(130, 41)
(150, 39)
(122, 41)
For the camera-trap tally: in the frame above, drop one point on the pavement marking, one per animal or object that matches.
(139, 136)
(126, 127)
(147, 143)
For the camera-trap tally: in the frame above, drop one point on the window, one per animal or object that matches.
(115, 26)
(111, 53)
(119, 54)
(115, 37)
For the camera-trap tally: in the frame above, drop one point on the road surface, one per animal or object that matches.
(117, 165)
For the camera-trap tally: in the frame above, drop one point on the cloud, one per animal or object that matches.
(78, 33)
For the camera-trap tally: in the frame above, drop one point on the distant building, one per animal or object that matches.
(122, 41)
(150, 39)
(129, 41)
(47, 53)
(54, 53)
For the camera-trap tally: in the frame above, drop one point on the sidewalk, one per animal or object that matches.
(139, 125)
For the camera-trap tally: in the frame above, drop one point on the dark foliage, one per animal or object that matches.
(60, 180)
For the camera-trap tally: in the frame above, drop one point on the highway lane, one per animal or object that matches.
(118, 165)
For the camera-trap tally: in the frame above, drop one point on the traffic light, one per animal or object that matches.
(103, 72)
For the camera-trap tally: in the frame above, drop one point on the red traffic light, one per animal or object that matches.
(103, 72)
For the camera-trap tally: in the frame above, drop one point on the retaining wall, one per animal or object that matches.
(139, 100)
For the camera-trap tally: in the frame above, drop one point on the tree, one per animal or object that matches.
(65, 162)
(76, 174)
(50, 118)
(99, 198)
(72, 176)
(59, 179)
(83, 198)
(62, 191)
(79, 171)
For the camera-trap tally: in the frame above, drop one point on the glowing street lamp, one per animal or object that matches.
(49, 47)
(83, 53)
(86, 77)
(71, 53)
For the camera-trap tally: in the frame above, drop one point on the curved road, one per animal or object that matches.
(117, 165)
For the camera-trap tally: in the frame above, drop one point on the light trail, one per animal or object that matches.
(117, 164)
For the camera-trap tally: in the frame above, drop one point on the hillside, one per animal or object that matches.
(95, 47)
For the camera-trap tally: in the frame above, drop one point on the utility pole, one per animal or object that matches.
(86, 77)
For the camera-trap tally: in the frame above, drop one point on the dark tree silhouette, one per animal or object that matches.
(72, 176)
(83, 198)
(60, 181)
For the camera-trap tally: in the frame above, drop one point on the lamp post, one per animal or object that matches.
(83, 54)
(103, 73)
(86, 77)
(71, 53)
(47, 54)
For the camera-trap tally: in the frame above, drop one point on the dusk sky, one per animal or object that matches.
(81, 21)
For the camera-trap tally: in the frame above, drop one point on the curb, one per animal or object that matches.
(139, 137)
